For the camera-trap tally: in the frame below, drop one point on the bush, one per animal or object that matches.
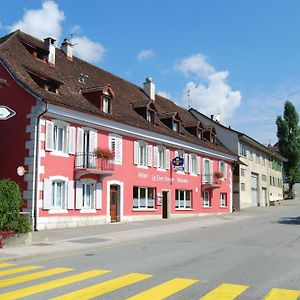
(10, 204)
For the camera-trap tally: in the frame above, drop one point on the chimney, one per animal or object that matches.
(67, 48)
(49, 44)
(149, 88)
(212, 117)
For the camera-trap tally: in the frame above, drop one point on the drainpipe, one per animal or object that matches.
(36, 175)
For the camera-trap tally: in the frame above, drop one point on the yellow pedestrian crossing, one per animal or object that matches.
(24, 292)
(18, 270)
(225, 292)
(164, 290)
(161, 291)
(104, 287)
(278, 294)
(33, 276)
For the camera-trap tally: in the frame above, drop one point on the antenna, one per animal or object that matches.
(189, 95)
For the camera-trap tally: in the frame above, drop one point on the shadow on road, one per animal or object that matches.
(290, 221)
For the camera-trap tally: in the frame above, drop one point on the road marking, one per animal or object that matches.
(33, 276)
(4, 265)
(18, 270)
(104, 287)
(35, 289)
(276, 294)
(225, 292)
(164, 290)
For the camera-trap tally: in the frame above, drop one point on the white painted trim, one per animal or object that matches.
(121, 185)
(113, 126)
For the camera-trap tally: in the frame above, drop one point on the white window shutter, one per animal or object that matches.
(70, 199)
(211, 170)
(203, 170)
(190, 163)
(167, 159)
(93, 140)
(155, 156)
(186, 162)
(47, 193)
(149, 155)
(115, 144)
(225, 170)
(78, 194)
(79, 150)
(119, 150)
(175, 154)
(136, 153)
(198, 164)
(49, 135)
(99, 195)
(71, 139)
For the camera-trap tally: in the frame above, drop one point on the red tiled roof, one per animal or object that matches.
(17, 58)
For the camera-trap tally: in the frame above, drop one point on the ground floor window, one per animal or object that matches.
(206, 199)
(88, 195)
(58, 194)
(183, 199)
(143, 197)
(223, 200)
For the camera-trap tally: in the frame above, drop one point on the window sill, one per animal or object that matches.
(161, 170)
(87, 211)
(193, 174)
(206, 206)
(57, 211)
(144, 209)
(184, 209)
(223, 207)
(142, 167)
(59, 153)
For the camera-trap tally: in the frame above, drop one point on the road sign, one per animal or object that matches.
(6, 112)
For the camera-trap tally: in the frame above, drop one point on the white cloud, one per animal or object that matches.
(209, 91)
(164, 94)
(88, 50)
(145, 54)
(43, 22)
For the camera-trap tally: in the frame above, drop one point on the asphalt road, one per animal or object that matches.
(253, 254)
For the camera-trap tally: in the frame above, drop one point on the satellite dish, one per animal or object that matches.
(21, 171)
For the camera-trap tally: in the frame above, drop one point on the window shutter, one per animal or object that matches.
(71, 139)
(47, 194)
(70, 199)
(211, 170)
(167, 159)
(225, 170)
(175, 154)
(119, 150)
(203, 170)
(79, 150)
(186, 162)
(198, 165)
(93, 140)
(149, 155)
(99, 195)
(49, 135)
(190, 164)
(136, 153)
(155, 156)
(78, 194)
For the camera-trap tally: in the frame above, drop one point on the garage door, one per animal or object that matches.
(254, 188)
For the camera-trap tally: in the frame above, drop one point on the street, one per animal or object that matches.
(253, 254)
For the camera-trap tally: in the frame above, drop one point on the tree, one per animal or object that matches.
(288, 134)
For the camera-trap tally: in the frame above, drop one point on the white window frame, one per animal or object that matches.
(223, 199)
(182, 204)
(54, 199)
(207, 177)
(92, 184)
(243, 149)
(161, 157)
(106, 104)
(147, 200)
(223, 168)
(142, 157)
(206, 199)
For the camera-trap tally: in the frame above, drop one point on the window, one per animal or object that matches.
(142, 154)
(175, 126)
(106, 104)
(143, 197)
(250, 155)
(258, 158)
(88, 195)
(243, 187)
(223, 199)
(161, 158)
(222, 168)
(242, 172)
(206, 199)
(59, 138)
(58, 194)
(193, 164)
(115, 144)
(150, 116)
(263, 160)
(270, 180)
(263, 177)
(183, 199)
(243, 150)
(207, 171)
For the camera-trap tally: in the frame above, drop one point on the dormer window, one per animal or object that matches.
(145, 109)
(52, 88)
(106, 104)
(172, 120)
(176, 126)
(150, 116)
(50, 85)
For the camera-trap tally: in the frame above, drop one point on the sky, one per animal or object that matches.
(238, 59)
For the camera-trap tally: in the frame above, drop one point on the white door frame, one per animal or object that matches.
(121, 202)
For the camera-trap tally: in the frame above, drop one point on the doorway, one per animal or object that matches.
(114, 203)
(264, 197)
(254, 188)
(165, 205)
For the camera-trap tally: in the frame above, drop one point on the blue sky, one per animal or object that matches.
(238, 58)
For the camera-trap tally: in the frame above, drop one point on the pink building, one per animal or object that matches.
(66, 108)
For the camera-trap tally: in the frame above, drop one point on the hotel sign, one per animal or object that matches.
(160, 178)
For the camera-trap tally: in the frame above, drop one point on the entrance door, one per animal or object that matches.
(264, 197)
(254, 188)
(114, 199)
(165, 206)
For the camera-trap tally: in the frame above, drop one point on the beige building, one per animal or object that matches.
(258, 178)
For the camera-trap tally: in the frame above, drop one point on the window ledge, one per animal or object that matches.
(142, 167)
(144, 209)
(206, 206)
(184, 209)
(87, 210)
(57, 211)
(194, 174)
(59, 153)
(223, 207)
(161, 170)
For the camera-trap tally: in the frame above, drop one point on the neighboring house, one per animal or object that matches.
(258, 175)
(66, 108)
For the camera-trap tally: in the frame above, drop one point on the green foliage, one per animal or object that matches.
(10, 204)
(288, 134)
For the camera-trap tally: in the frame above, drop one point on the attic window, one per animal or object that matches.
(106, 104)
(176, 126)
(36, 52)
(200, 134)
(45, 83)
(52, 88)
(150, 116)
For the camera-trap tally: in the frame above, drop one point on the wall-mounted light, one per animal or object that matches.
(21, 171)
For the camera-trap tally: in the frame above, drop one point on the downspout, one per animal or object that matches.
(36, 175)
